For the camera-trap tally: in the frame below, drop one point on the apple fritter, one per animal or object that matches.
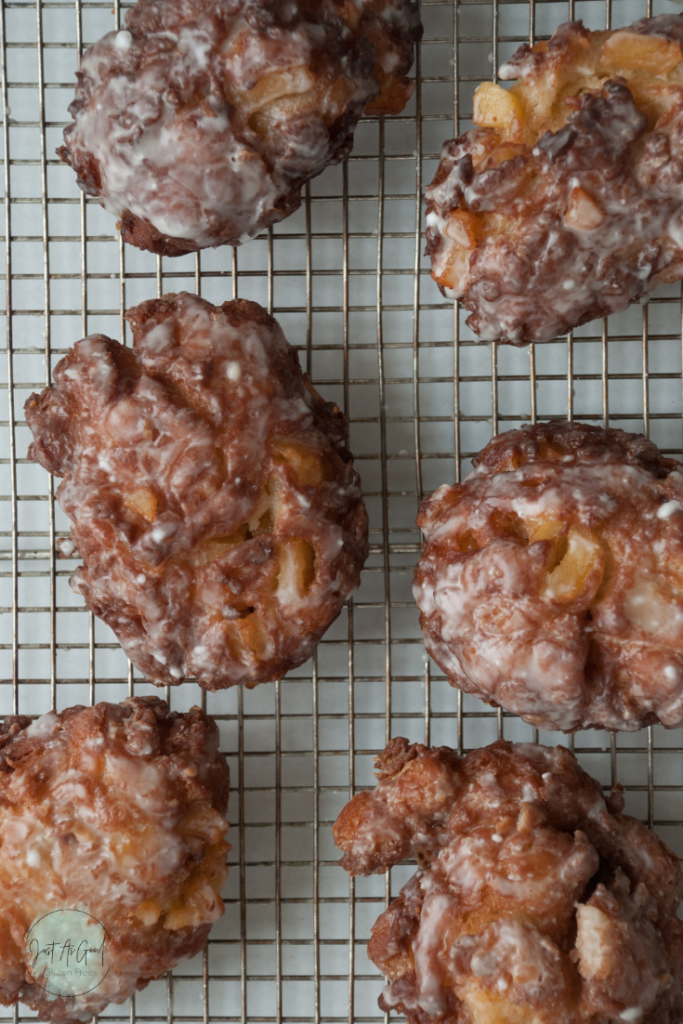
(565, 203)
(536, 901)
(199, 122)
(213, 502)
(551, 581)
(116, 812)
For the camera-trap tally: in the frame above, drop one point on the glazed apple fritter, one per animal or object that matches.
(535, 900)
(199, 122)
(211, 497)
(551, 581)
(565, 203)
(119, 811)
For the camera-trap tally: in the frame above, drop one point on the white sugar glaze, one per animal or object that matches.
(573, 198)
(203, 120)
(535, 901)
(497, 623)
(116, 811)
(200, 479)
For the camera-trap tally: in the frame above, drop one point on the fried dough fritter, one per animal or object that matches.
(551, 581)
(215, 507)
(119, 811)
(199, 123)
(565, 204)
(535, 901)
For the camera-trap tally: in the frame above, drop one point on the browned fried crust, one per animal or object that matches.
(560, 441)
(139, 232)
(211, 495)
(534, 899)
(348, 47)
(564, 205)
(551, 581)
(121, 808)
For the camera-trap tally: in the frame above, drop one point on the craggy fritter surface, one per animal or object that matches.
(117, 810)
(211, 498)
(551, 581)
(198, 124)
(565, 205)
(535, 901)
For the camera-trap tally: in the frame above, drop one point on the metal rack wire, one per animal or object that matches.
(346, 278)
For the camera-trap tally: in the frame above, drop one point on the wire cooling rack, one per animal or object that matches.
(346, 278)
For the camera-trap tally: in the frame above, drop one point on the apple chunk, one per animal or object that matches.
(582, 212)
(630, 50)
(143, 501)
(584, 558)
(495, 107)
(462, 228)
(297, 570)
(303, 458)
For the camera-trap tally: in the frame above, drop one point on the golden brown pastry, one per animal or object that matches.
(565, 204)
(551, 581)
(199, 122)
(535, 900)
(116, 813)
(211, 497)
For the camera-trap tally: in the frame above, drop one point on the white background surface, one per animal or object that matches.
(298, 748)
